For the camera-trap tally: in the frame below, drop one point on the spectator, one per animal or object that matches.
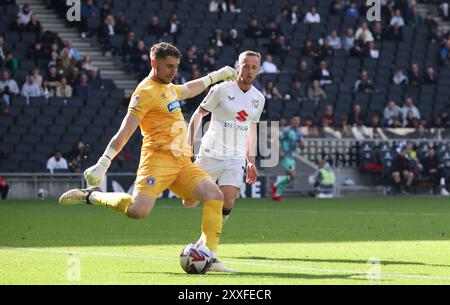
(363, 33)
(348, 41)
(216, 40)
(86, 64)
(445, 118)
(107, 30)
(278, 47)
(3, 50)
(433, 169)
(232, 6)
(17, 26)
(303, 73)
(105, 9)
(253, 30)
(64, 89)
(400, 79)
(25, 14)
(36, 72)
(430, 77)
(77, 156)
(430, 22)
(233, 39)
(4, 188)
(270, 91)
(283, 17)
(122, 26)
(309, 49)
(391, 111)
(356, 116)
(88, 9)
(8, 85)
(95, 79)
(377, 32)
(410, 121)
(34, 26)
(268, 66)
(326, 52)
(74, 77)
(155, 29)
(316, 93)
(311, 129)
(206, 64)
(57, 162)
(322, 74)
(373, 51)
(128, 47)
(375, 121)
(31, 88)
(346, 128)
(334, 40)
(188, 61)
(414, 75)
(38, 52)
(415, 17)
(84, 89)
(11, 63)
(73, 52)
(54, 60)
(217, 6)
(294, 14)
(297, 92)
(401, 169)
(66, 63)
(352, 10)
(271, 30)
(397, 19)
(409, 106)
(46, 90)
(140, 59)
(327, 119)
(312, 16)
(444, 54)
(173, 27)
(444, 7)
(359, 49)
(364, 84)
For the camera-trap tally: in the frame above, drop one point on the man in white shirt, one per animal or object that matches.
(7, 82)
(268, 66)
(230, 141)
(31, 88)
(312, 16)
(409, 106)
(57, 162)
(25, 14)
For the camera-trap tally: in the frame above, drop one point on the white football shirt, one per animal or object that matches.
(232, 113)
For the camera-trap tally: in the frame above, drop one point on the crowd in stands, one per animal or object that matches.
(53, 68)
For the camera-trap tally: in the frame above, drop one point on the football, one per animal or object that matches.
(195, 259)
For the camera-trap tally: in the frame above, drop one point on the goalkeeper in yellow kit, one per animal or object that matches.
(165, 157)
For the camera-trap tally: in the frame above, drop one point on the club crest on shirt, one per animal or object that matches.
(150, 181)
(255, 104)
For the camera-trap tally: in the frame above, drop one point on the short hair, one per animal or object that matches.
(164, 49)
(250, 53)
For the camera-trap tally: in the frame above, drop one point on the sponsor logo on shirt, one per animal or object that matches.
(231, 98)
(174, 106)
(242, 116)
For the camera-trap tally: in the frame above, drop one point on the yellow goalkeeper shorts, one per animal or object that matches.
(161, 170)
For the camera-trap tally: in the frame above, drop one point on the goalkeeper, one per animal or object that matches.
(165, 156)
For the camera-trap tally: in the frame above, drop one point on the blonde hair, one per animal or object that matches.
(250, 53)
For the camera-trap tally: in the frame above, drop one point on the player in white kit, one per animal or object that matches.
(229, 145)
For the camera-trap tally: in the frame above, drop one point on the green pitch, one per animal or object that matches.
(302, 241)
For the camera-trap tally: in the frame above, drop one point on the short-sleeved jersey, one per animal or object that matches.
(289, 139)
(232, 113)
(162, 123)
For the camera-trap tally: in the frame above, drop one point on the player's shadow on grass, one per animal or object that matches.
(334, 261)
(242, 275)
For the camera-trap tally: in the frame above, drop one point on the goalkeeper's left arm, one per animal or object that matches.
(96, 174)
(195, 87)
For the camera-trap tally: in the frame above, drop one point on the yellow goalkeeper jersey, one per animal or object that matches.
(162, 123)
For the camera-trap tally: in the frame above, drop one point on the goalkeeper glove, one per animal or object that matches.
(225, 74)
(95, 175)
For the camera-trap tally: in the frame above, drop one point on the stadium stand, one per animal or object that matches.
(210, 38)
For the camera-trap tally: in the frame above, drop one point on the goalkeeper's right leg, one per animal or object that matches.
(78, 196)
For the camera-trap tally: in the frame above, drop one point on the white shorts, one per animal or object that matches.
(224, 172)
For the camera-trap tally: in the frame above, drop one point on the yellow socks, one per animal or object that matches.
(116, 201)
(212, 223)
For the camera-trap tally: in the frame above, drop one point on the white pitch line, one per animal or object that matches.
(329, 212)
(271, 266)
